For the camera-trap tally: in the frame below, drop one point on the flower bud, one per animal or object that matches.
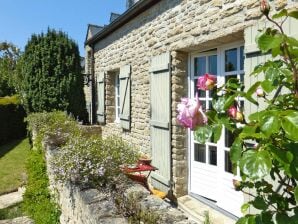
(239, 116)
(237, 184)
(235, 114)
(260, 92)
(265, 7)
(232, 111)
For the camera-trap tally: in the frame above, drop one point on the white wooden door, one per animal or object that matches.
(210, 166)
(204, 164)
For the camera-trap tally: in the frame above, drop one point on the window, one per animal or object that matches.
(117, 98)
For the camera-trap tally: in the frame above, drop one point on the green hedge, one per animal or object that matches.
(12, 114)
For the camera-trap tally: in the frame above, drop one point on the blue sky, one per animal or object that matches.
(20, 18)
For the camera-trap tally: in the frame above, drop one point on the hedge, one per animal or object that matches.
(12, 114)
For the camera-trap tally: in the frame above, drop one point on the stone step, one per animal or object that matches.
(19, 220)
(10, 199)
(197, 211)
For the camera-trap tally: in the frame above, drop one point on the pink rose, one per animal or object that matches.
(206, 82)
(191, 114)
(260, 92)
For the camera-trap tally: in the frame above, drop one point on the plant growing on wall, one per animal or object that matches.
(266, 142)
(51, 74)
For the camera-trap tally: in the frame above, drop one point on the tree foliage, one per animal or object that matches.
(9, 55)
(51, 75)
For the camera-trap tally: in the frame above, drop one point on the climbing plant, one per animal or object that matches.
(265, 149)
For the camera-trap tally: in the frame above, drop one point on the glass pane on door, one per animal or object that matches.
(199, 153)
(212, 155)
(228, 163)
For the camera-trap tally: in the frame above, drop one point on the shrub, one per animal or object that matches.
(51, 74)
(56, 124)
(37, 198)
(91, 160)
(82, 158)
(12, 117)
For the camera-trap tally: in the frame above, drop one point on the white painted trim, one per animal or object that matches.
(117, 94)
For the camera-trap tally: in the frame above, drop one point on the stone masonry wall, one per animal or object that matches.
(178, 26)
(80, 205)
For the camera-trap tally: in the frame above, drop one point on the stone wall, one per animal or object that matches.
(181, 27)
(81, 205)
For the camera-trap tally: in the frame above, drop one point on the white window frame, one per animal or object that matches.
(117, 98)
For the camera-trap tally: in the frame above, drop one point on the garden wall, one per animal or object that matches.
(89, 205)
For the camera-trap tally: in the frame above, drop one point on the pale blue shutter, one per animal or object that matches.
(160, 121)
(124, 77)
(100, 79)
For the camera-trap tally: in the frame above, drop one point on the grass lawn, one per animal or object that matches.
(13, 157)
(11, 212)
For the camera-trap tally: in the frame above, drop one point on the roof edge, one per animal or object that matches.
(128, 15)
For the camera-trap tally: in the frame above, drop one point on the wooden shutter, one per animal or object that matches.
(124, 77)
(100, 79)
(160, 120)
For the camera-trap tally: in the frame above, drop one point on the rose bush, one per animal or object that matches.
(265, 148)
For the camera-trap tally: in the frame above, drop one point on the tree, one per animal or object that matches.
(9, 55)
(51, 75)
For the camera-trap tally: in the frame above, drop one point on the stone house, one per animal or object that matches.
(146, 59)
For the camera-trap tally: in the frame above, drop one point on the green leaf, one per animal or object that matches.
(256, 164)
(227, 123)
(267, 42)
(283, 157)
(290, 125)
(233, 83)
(292, 41)
(272, 74)
(250, 99)
(229, 101)
(236, 150)
(202, 134)
(259, 203)
(217, 128)
(280, 14)
(253, 88)
(282, 218)
(242, 220)
(270, 124)
(267, 86)
(256, 116)
(296, 193)
(244, 207)
(293, 14)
